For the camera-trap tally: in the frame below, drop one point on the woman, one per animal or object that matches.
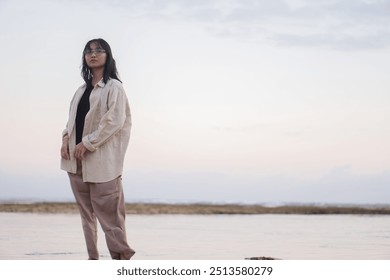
(94, 144)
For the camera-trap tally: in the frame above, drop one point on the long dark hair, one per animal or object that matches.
(110, 70)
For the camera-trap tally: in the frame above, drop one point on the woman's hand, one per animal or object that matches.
(65, 148)
(80, 151)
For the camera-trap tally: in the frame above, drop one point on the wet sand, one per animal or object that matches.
(41, 236)
(201, 209)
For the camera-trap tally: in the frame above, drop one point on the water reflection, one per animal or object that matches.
(59, 236)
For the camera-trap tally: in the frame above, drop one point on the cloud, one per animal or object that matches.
(336, 24)
(342, 25)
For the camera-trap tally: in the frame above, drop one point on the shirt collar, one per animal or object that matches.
(101, 83)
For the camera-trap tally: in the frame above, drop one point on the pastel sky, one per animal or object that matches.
(251, 101)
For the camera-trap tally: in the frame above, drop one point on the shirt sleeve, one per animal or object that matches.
(64, 133)
(111, 122)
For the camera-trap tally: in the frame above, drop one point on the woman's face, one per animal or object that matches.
(95, 56)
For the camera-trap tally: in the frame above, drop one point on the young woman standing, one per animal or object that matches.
(94, 144)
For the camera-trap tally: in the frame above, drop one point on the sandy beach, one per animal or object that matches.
(47, 236)
(201, 209)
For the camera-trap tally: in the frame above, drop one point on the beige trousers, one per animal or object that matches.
(104, 201)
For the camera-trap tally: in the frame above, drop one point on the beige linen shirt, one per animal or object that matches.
(106, 132)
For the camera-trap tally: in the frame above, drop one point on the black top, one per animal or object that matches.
(82, 110)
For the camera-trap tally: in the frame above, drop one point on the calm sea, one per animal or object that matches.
(216, 237)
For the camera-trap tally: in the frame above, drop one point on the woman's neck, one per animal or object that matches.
(97, 75)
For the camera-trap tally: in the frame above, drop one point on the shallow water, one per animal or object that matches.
(219, 237)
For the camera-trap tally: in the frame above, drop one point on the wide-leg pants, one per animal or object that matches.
(104, 201)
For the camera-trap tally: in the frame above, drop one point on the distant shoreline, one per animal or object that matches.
(200, 209)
